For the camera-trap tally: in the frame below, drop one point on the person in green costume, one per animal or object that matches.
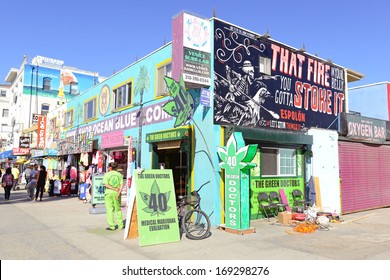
(113, 181)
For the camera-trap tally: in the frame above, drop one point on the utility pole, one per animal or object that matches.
(31, 93)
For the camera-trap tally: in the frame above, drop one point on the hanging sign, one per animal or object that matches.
(236, 161)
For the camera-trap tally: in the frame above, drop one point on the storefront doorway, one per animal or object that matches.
(174, 155)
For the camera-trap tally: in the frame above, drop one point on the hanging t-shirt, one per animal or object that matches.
(98, 160)
(84, 159)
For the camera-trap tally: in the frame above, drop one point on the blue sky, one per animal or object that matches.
(106, 36)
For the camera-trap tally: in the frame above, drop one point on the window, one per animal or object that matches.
(45, 109)
(73, 88)
(122, 95)
(165, 70)
(278, 162)
(265, 65)
(3, 93)
(5, 113)
(46, 83)
(90, 110)
(68, 118)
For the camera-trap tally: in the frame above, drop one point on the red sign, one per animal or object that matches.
(41, 132)
(20, 151)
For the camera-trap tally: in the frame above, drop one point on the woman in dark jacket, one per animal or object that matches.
(7, 182)
(41, 181)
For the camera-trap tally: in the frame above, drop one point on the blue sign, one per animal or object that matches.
(205, 97)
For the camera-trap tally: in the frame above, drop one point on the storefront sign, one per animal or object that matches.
(168, 135)
(362, 128)
(98, 189)
(113, 139)
(35, 118)
(41, 132)
(191, 49)
(196, 68)
(24, 142)
(152, 114)
(273, 184)
(20, 151)
(156, 207)
(36, 153)
(236, 161)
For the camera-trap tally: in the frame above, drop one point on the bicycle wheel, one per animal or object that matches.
(196, 224)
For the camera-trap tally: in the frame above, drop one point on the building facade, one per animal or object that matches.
(5, 132)
(37, 87)
(372, 100)
(364, 149)
(174, 107)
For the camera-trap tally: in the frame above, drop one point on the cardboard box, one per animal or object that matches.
(284, 217)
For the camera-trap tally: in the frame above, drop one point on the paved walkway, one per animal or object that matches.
(61, 228)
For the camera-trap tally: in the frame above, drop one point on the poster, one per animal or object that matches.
(98, 189)
(156, 207)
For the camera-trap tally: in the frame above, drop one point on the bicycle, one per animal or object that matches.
(195, 222)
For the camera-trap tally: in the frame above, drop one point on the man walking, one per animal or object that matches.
(15, 172)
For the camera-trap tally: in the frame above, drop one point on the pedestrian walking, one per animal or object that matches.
(27, 173)
(7, 183)
(31, 186)
(113, 181)
(41, 181)
(15, 172)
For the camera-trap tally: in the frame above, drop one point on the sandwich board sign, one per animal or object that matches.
(157, 217)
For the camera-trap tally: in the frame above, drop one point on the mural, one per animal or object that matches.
(104, 100)
(259, 83)
(60, 82)
(55, 127)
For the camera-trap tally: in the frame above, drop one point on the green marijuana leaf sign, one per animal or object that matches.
(236, 160)
(233, 160)
(182, 105)
(156, 202)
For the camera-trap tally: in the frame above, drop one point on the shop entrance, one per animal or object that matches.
(174, 155)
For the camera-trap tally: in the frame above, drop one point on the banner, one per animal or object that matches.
(41, 132)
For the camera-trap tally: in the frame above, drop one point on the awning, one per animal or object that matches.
(30, 129)
(165, 145)
(268, 135)
(6, 155)
(21, 160)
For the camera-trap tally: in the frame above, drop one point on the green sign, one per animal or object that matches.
(273, 184)
(236, 160)
(156, 207)
(98, 189)
(168, 135)
(182, 103)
